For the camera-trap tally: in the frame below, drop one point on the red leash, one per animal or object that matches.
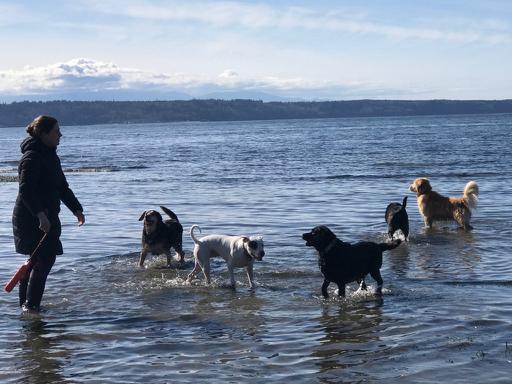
(25, 267)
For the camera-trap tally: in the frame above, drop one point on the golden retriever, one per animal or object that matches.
(435, 207)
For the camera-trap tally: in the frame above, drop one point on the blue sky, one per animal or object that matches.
(280, 50)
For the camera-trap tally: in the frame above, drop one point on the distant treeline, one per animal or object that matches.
(108, 112)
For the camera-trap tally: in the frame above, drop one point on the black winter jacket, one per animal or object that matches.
(42, 186)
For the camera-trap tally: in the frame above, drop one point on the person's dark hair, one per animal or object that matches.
(41, 124)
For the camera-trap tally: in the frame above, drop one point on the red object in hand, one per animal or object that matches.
(25, 267)
(20, 274)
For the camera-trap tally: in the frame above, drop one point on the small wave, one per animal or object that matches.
(469, 175)
(104, 168)
(290, 274)
(10, 163)
(91, 169)
(8, 179)
(506, 283)
(136, 167)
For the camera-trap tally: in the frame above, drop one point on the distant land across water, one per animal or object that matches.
(111, 112)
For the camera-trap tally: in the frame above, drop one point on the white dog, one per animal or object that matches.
(238, 251)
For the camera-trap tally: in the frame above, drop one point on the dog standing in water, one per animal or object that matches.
(237, 251)
(343, 263)
(435, 207)
(397, 219)
(158, 236)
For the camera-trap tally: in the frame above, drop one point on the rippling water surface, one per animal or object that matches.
(446, 313)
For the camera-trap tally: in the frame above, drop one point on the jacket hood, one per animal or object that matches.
(34, 144)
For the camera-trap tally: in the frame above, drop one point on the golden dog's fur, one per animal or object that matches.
(435, 207)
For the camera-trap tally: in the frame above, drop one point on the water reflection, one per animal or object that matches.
(447, 251)
(399, 259)
(40, 357)
(351, 337)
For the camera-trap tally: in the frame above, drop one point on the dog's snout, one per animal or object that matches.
(262, 253)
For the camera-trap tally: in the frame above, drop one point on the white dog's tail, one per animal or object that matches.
(471, 193)
(196, 240)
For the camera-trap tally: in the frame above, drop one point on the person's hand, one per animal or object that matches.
(44, 223)
(81, 218)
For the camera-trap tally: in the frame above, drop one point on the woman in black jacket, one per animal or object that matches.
(42, 186)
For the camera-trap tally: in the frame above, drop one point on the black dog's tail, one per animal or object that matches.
(404, 202)
(170, 213)
(388, 246)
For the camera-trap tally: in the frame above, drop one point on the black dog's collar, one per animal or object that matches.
(329, 247)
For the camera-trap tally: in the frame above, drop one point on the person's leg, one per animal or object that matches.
(37, 280)
(23, 290)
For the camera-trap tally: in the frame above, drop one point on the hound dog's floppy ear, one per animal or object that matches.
(245, 239)
(142, 216)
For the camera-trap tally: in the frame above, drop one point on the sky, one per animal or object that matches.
(269, 50)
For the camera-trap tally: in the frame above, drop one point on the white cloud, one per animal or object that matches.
(83, 74)
(85, 79)
(228, 14)
(228, 74)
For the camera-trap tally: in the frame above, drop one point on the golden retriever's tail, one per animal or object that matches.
(194, 238)
(471, 193)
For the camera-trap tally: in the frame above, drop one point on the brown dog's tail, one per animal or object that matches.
(388, 246)
(471, 193)
(170, 213)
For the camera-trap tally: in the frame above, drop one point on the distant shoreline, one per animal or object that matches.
(137, 112)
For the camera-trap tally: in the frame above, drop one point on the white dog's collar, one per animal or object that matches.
(247, 253)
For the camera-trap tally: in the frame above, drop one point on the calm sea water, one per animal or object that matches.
(446, 314)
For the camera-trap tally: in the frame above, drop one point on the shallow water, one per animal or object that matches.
(446, 313)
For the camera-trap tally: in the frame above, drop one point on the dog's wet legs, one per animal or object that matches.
(324, 288)
(180, 253)
(206, 272)
(195, 271)
(169, 258)
(231, 271)
(143, 255)
(378, 278)
(250, 276)
(341, 290)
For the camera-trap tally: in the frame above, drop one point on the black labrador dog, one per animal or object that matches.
(397, 218)
(343, 263)
(158, 236)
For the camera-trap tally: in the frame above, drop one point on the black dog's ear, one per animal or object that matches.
(253, 244)
(142, 216)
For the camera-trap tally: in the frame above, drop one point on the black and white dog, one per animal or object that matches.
(237, 251)
(343, 263)
(158, 236)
